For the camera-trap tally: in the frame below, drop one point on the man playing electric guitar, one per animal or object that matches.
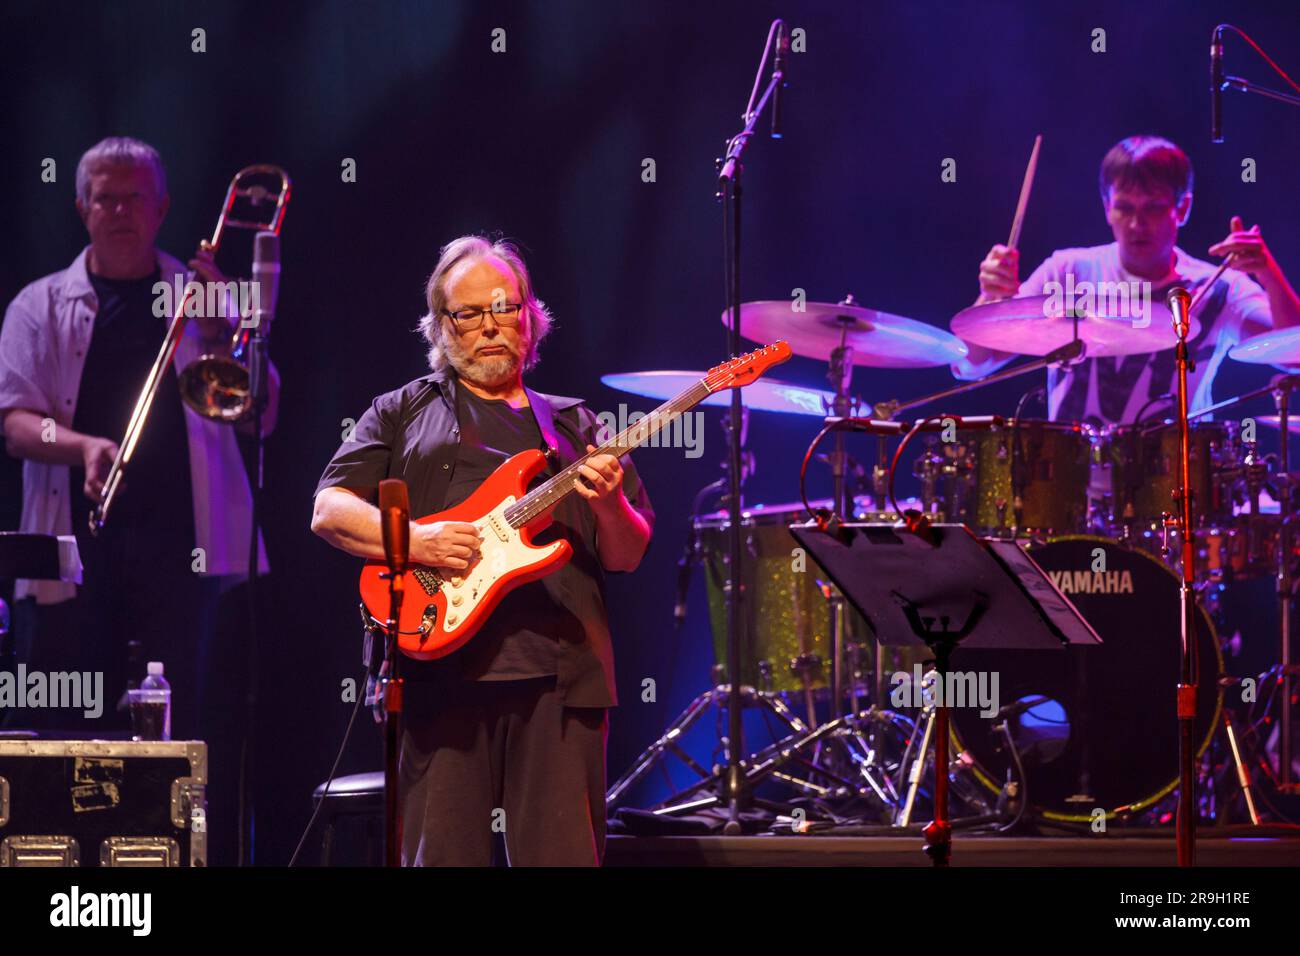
(506, 733)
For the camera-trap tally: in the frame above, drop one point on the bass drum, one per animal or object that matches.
(1107, 735)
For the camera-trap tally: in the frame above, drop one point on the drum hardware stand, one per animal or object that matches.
(840, 376)
(1073, 351)
(669, 743)
(1285, 586)
(770, 762)
(911, 770)
(1286, 671)
(1244, 781)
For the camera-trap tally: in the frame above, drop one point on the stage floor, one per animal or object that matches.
(1237, 849)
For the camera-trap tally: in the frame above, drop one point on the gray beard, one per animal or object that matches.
(484, 372)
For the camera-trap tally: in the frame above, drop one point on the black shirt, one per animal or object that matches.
(155, 498)
(416, 433)
(519, 640)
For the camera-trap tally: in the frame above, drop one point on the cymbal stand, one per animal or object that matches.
(840, 375)
(1070, 352)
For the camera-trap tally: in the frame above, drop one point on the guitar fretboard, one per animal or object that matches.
(552, 491)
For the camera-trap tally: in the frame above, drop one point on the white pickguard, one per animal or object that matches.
(503, 551)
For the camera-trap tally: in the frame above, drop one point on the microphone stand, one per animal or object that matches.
(394, 523)
(1179, 304)
(391, 688)
(735, 790)
(1238, 84)
(257, 387)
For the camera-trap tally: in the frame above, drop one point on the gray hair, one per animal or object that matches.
(120, 151)
(471, 249)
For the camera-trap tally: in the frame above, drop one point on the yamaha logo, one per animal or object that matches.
(1092, 582)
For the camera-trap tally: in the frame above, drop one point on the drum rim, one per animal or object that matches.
(1137, 806)
(1081, 428)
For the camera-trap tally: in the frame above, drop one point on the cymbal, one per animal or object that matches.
(878, 339)
(1272, 421)
(1023, 325)
(1280, 347)
(763, 395)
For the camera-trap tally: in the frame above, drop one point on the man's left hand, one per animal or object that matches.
(603, 475)
(213, 328)
(1249, 250)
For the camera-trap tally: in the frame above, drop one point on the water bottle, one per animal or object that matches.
(151, 706)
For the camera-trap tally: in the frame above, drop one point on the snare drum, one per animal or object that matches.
(1026, 477)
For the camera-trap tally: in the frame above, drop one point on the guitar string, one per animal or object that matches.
(554, 489)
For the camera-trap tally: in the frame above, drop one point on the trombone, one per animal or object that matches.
(214, 386)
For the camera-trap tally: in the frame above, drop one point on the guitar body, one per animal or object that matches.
(441, 609)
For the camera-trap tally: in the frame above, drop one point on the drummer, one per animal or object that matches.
(1146, 193)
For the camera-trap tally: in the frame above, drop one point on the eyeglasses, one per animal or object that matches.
(108, 201)
(505, 315)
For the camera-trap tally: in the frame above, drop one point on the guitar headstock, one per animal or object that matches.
(744, 369)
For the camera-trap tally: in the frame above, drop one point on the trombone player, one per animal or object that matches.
(74, 349)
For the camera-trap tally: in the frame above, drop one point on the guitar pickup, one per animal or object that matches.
(498, 526)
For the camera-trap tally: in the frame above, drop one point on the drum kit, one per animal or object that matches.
(1079, 732)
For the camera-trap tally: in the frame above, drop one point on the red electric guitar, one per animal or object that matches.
(444, 609)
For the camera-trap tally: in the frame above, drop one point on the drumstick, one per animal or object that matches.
(1227, 260)
(1027, 185)
(1200, 293)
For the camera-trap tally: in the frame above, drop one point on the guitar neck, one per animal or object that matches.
(555, 489)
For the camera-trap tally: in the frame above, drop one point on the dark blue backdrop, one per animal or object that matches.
(545, 142)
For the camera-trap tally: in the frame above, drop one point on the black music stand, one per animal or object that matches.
(39, 557)
(941, 587)
(42, 557)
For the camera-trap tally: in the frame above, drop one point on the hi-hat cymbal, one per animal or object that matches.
(763, 395)
(878, 339)
(1280, 347)
(1036, 325)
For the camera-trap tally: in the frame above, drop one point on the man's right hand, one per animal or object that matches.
(97, 456)
(445, 544)
(999, 274)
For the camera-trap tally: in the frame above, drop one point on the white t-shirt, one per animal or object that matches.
(1113, 389)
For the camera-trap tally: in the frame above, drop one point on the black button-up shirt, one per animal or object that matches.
(413, 433)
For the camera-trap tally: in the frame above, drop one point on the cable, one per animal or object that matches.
(347, 734)
(1267, 59)
(821, 515)
(1024, 780)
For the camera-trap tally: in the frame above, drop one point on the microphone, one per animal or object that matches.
(1180, 301)
(395, 523)
(266, 273)
(872, 426)
(778, 71)
(266, 283)
(1216, 86)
